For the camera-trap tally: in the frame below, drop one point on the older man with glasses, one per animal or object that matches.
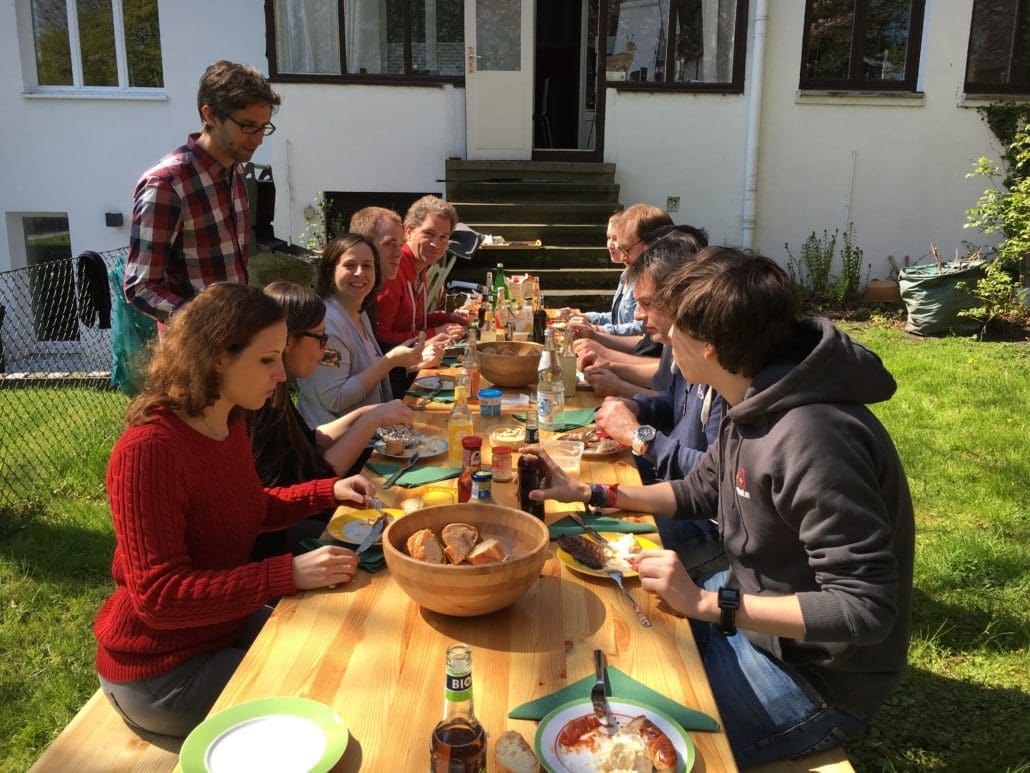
(190, 214)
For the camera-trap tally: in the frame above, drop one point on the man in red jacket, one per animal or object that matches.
(402, 311)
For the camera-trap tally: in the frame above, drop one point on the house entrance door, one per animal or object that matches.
(499, 79)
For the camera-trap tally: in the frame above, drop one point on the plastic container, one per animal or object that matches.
(490, 402)
(567, 454)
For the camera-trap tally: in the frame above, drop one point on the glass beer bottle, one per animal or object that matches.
(458, 744)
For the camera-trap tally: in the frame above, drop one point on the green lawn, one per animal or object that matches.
(960, 421)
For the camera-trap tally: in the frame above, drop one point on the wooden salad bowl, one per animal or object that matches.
(509, 363)
(466, 590)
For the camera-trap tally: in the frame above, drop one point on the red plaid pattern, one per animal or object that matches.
(190, 227)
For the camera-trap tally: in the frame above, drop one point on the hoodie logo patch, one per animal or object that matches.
(741, 486)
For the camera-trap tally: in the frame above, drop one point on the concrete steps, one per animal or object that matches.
(564, 205)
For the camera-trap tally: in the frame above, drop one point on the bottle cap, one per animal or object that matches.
(502, 450)
(472, 441)
(488, 393)
(482, 476)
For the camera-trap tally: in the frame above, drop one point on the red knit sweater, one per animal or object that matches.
(186, 511)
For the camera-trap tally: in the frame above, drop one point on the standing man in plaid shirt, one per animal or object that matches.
(190, 218)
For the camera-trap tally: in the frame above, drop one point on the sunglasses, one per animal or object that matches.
(322, 338)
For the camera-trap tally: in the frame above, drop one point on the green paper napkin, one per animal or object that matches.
(450, 362)
(621, 686)
(446, 396)
(372, 560)
(600, 522)
(568, 419)
(416, 476)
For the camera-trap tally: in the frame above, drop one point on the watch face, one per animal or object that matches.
(645, 434)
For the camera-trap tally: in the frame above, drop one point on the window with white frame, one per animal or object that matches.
(998, 61)
(350, 40)
(861, 45)
(96, 44)
(696, 45)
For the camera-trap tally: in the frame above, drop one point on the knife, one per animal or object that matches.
(589, 530)
(598, 696)
(425, 400)
(393, 478)
(374, 534)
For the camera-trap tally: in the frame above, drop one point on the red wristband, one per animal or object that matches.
(613, 494)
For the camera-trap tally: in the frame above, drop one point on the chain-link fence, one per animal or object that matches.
(58, 413)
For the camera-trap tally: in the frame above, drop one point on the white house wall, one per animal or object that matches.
(83, 156)
(911, 154)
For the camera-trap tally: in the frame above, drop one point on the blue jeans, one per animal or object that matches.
(768, 711)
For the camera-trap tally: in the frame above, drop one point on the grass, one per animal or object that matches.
(959, 420)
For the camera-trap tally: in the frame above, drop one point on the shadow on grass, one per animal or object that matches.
(967, 628)
(47, 548)
(934, 722)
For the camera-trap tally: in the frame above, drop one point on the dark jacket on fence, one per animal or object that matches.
(94, 296)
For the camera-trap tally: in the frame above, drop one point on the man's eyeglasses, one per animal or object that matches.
(624, 251)
(249, 128)
(322, 338)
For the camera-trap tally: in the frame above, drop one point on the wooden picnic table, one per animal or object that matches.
(377, 658)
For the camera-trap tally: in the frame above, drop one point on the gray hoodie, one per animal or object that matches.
(812, 499)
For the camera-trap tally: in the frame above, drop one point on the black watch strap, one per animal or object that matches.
(729, 603)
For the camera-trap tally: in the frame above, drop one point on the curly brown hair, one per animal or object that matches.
(324, 284)
(429, 205)
(226, 86)
(222, 319)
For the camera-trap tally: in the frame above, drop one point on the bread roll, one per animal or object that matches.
(458, 540)
(489, 551)
(424, 546)
(514, 755)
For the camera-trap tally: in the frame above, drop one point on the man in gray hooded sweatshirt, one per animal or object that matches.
(813, 508)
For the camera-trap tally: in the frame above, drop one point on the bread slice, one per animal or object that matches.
(458, 540)
(424, 546)
(514, 755)
(489, 551)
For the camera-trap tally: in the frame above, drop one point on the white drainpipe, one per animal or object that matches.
(749, 216)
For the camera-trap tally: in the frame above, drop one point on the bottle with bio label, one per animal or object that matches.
(459, 424)
(458, 744)
(532, 422)
(550, 385)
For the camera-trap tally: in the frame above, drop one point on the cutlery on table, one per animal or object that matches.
(598, 696)
(616, 575)
(378, 526)
(590, 531)
(422, 402)
(407, 466)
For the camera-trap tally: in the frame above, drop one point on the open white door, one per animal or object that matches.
(499, 79)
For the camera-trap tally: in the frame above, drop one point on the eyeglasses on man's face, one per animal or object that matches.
(250, 128)
(322, 338)
(624, 251)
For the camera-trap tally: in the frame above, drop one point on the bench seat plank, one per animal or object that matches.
(831, 761)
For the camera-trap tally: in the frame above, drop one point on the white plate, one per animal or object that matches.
(428, 446)
(547, 749)
(429, 383)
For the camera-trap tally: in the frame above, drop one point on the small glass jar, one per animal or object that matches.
(500, 464)
(490, 402)
(481, 486)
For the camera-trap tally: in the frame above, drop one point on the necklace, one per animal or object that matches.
(218, 434)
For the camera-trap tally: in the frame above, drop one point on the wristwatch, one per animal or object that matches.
(642, 438)
(729, 603)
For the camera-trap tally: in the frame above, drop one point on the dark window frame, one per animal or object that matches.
(735, 86)
(1016, 62)
(855, 81)
(386, 79)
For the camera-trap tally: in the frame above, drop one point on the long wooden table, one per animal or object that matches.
(377, 658)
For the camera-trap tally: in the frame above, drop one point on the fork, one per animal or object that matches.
(616, 575)
(375, 503)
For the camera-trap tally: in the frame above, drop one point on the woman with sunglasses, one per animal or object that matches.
(288, 451)
(347, 280)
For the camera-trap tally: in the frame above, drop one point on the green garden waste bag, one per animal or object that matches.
(932, 299)
(131, 329)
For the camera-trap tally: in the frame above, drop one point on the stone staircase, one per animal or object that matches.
(563, 205)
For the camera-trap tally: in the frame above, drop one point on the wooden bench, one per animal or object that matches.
(832, 761)
(97, 740)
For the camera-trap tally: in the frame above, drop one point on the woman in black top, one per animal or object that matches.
(286, 450)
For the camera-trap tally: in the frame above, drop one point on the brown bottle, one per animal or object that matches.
(530, 478)
(458, 744)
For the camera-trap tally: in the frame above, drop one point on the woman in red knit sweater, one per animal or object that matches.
(188, 505)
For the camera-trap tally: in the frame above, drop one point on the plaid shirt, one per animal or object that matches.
(190, 227)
